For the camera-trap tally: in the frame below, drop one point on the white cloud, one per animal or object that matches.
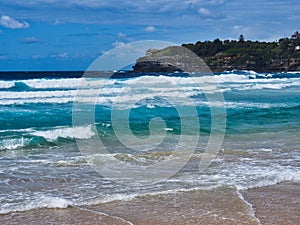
(208, 14)
(238, 30)
(113, 11)
(150, 29)
(36, 57)
(121, 35)
(12, 23)
(56, 21)
(130, 4)
(30, 40)
(217, 2)
(118, 43)
(176, 15)
(145, 5)
(204, 12)
(63, 55)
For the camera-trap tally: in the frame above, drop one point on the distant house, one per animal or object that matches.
(296, 36)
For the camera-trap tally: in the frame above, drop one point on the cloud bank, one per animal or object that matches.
(9, 22)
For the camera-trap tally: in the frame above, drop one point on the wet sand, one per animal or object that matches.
(67, 216)
(278, 204)
(221, 206)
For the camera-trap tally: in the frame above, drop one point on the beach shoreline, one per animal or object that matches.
(46, 177)
(276, 204)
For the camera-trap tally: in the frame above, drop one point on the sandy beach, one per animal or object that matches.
(277, 204)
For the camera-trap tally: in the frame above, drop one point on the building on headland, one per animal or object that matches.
(296, 36)
(220, 56)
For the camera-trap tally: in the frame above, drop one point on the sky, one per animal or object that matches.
(71, 34)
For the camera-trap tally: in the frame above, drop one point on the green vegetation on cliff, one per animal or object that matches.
(277, 56)
(252, 55)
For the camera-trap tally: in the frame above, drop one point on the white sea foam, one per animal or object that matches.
(6, 84)
(15, 143)
(271, 180)
(230, 104)
(231, 78)
(67, 83)
(296, 177)
(151, 106)
(44, 201)
(293, 72)
(107, 92)
(17, 130)
(261, 84)
(130, 197)
(125, 100)
(251, 210)
(35, 94)
(70, 161)
(39, 202)
(187, 80)
(271, 86)
(111, 198)
(80, 132)
(36, 101)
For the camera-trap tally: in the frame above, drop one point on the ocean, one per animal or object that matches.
(147, 136)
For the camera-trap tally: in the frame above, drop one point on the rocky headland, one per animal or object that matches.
(277, 56)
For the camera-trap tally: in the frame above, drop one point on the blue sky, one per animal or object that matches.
(71, 34)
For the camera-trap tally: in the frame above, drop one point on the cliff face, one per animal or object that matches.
(170, 59)
(154, 66)
(220, 63)
(155, 62)
(274, 65)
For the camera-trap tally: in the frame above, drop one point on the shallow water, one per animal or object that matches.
(41, 165)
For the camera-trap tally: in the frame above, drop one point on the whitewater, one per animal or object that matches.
(41, 165)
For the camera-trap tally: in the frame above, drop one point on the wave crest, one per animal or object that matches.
(39, 202)
(80, 132)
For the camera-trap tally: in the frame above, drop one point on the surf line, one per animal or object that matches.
(250, 207)
(102, 214)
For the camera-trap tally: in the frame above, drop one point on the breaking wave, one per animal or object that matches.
(45, 137)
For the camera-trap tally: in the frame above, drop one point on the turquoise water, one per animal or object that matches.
(42, 166)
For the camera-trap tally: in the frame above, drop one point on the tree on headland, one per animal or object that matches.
(241, 38)
(261, 56)
(255, 55)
